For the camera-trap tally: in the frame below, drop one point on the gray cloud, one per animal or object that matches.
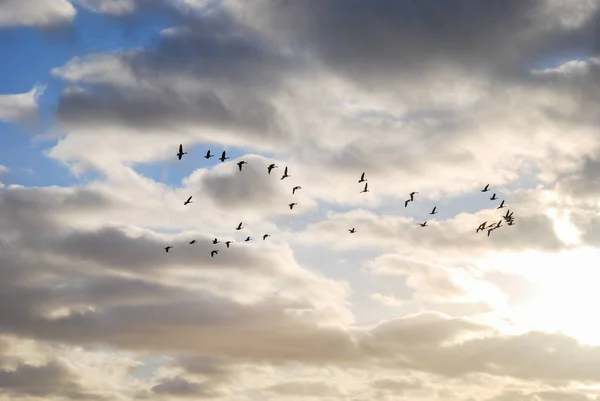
(35, 13)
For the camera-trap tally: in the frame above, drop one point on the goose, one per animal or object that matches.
(248, 239)
(227, 243)
(215, 241)
(498, 224)
(365, 190)
(239, 227)
(493, 197)
(423, 224)
(508, 215)
(490, 230)
(481, 227)
(181, 153)
(285, 174)
(213, 253)
(412, 194)
(223, 157)
(362, 178)
(291, 205)
(167, 248)
(486, 188)
(208, 155)
(433, 211)
(352, 230)
(188, 201)
(406, 202)
(265, 236)
(241, 163)
(295, 189)
(501, 205)
(511, 223)
(192, 242)
(271, 167)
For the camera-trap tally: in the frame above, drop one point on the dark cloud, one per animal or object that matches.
(305, 388)
(51, 379)
(378, 40)
(182, 388)
(233, 69)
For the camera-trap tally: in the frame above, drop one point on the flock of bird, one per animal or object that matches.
(508, 217)
(240, 226)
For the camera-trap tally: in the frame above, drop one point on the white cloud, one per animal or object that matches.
(20, 107)
(36, 13)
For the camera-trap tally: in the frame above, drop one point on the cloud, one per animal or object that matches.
(115, 7)
(305, 389)
(33, 13)
(20, 107)
(388, 300)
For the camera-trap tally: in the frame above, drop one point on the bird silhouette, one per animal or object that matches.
(406, 202)
(188, 201)
(248, 239)
(493, 197)
(352, 230)
(240, 164)
(285, 173)
(213, 253)
(227, 243)
(271, 167)
(181, 153)
(239, 227)
(412, 194)
(296, 188)
(433, 211)
(223, 157)
(365, 190)
(192, 241)
(481, 227)
(265, 236)
(490, 230)
(362, 178)
(486, 188)
(423, 224)
(215, 241)
(167, 248)
(501, 205)
(208, 155)
(291, 205)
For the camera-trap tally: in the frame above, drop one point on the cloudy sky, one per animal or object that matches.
(437, 97)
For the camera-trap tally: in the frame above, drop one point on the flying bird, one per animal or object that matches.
(223, 157)
(271, 167)
(213, 253)
(352, 230)
(240, 164)
(239, 227)
(285, 174)
(508, 215)
(501, 205)
(423, 224)
(265, 236)
(167, 248)
(215, 241)
(362, 178)
(291, 205)
(406, 202)
(227, 243)
(188, 201)
(511, 223)
(248, 239)
(412, 194)
(490, 230)
(208, 155)
(486, 188)
(365, 190)
(296, 188)
(192, 242)
(433, 211)
(181, 153)
(493, 197)
(481, 227)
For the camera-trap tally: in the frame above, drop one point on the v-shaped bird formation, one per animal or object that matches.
(507, 217)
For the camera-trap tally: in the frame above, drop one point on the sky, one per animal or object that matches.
(436, 97)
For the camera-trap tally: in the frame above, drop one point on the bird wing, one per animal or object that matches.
(180, 148)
